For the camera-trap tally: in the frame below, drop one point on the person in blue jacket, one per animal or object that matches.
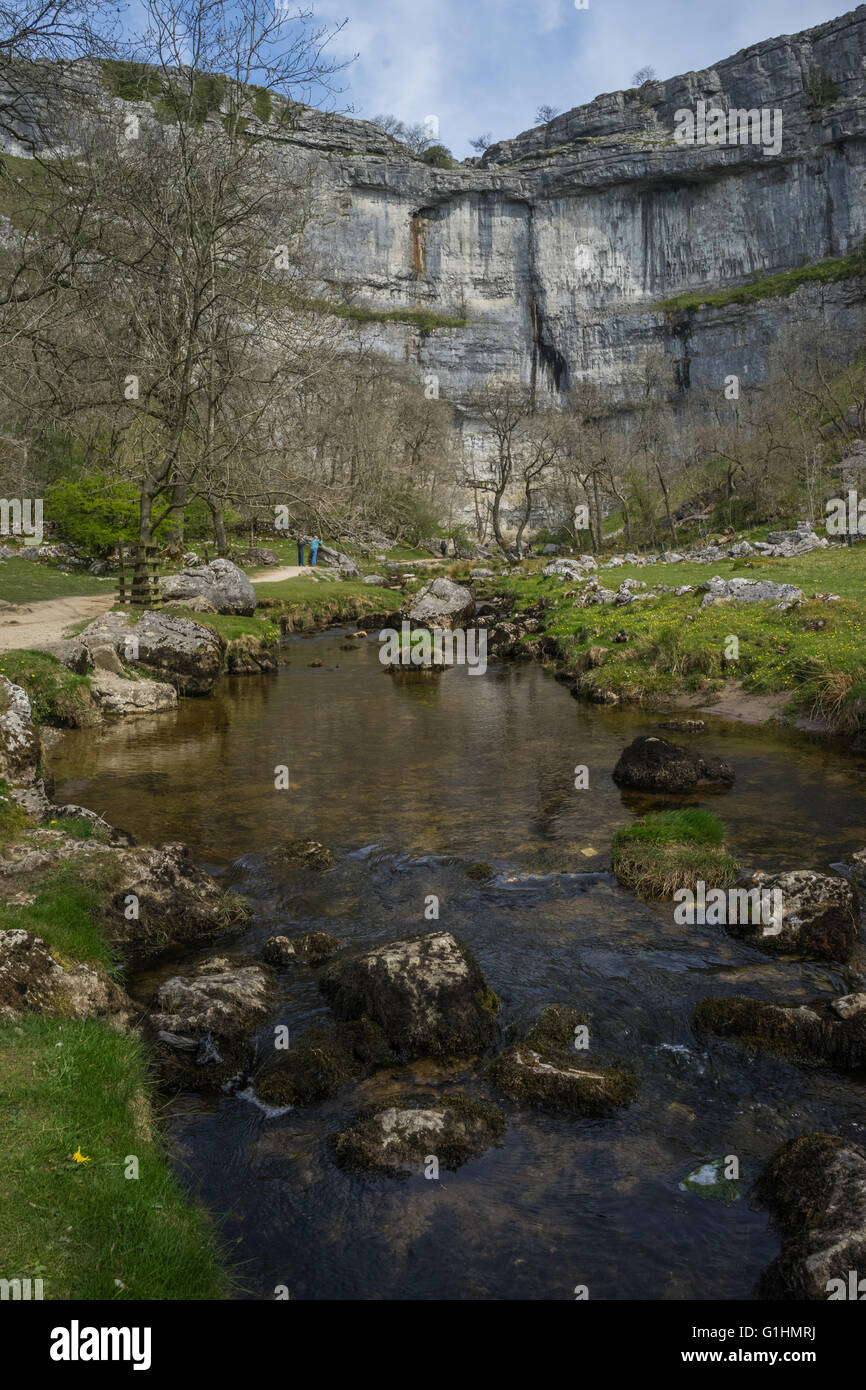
(314, 549)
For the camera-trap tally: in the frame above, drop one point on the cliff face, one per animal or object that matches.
(557, 245)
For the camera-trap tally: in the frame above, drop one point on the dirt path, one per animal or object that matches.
(34, 624)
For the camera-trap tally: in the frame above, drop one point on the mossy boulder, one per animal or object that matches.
(822, 1033)
(32, 980)
(815, 1190)
(542, 1070)
(312, 948)
(427, 993)
(321, 1061)
(397, 1138)
(653, 764)
(819, 915)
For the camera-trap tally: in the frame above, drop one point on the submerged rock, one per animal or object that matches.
(709, 1181)
(310, 853)
(815, 1190)
(654, 764)
(32, 980)
(313, 947)
(320, 1062)
(426, 993)
(822, 1033)
(819, 915)
(398, 1138)
(542, 1070)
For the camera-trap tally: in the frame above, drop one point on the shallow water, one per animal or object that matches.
(411, 783)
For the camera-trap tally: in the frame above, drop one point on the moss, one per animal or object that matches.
(821, 89)
(262, 104)
(543, 1070)
(489, 1002)
(766, 287)
(324, 1059)
(309, 853)
(753, 1024)
(797, 1182)
(709, 1183)
(479, 873)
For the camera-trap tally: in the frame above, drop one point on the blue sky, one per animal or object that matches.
(486, 65)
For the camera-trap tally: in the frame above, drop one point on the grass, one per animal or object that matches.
(30, 581)
(67, 911)
(815, 653)
(86, 1229)
(57, 696)
(767, 286)
(13, 819)
(669, 850)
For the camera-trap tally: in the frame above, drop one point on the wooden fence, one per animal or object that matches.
(138, 582)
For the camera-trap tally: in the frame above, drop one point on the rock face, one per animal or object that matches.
(821, 1033)
(426, 993)
(819, 915)
(815, 1189)
(399, 1138)
(32, 981)
(221, 583)
(554, 254)
(545, 1070)
(442, 603)
(20, 749)
(654, 764)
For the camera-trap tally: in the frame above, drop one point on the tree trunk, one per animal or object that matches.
(219, 529)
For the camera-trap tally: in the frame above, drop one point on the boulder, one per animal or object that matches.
(105, 658)
(222, 583)
(719, 590)
(32, 981)
(313, 948)
(442, 603)
(116, 696)
(426, 993)
(258, 557)
(334, 559)
(70, 653)
(816, 1034)
(820, 915)
(654, 764)
(218, 997)
(815, 1190)
(377, 579)
(398, 1138)
(178, 904)
(564, 569)
(543, 1070)
(188, 655)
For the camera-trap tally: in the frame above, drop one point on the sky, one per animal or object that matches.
(485, 66)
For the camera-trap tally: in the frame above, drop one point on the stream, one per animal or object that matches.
(410, 783)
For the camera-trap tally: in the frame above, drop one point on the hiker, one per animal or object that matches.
(314, 549)
(621, 636)
(443, 546)
(300, 550)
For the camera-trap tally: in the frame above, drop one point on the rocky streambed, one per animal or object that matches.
(441, 1052)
